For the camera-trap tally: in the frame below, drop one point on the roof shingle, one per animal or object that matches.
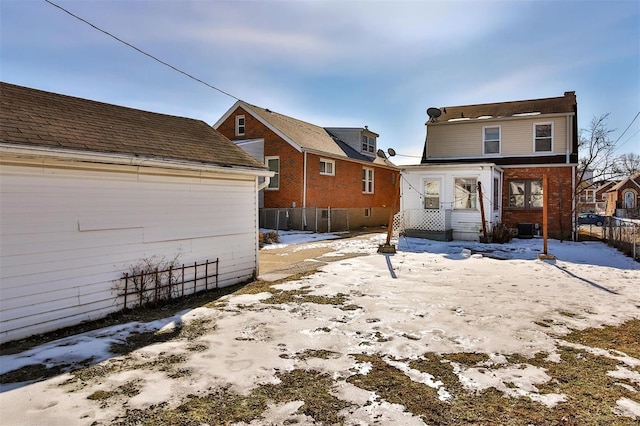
(38, 118)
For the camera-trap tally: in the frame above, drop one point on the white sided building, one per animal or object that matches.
(88, 189)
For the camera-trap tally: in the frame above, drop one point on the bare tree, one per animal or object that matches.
(597, 161)
(628, 164)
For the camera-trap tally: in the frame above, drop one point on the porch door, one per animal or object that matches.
(432, 194)
(629, 199)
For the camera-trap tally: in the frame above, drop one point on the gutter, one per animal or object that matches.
(30, 152)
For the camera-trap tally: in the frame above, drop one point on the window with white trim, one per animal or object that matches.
(543, 137)
(367, 212)
(367, 180)
(240, 125)
(273, 164)
(465, 193)
(525, 194)
(491, 140)
(327, 167)
(432, 193)
(368, 144)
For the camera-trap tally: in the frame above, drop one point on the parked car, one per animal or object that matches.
(590, 219)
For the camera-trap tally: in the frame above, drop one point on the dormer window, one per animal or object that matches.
(368, 144)
(240, 125)
(491, 140)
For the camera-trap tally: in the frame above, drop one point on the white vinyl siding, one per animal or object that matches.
(464, 139)
(67, 236)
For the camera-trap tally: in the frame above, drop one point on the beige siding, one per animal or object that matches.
(464, 138)
(68, 235)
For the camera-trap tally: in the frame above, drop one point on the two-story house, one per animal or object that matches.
(325, 178)
(491, 159)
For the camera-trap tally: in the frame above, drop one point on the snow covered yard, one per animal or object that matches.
(439, 333)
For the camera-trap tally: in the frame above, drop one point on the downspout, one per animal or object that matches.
(304, 181)
(264, 184)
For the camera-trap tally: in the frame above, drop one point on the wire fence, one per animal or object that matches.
(623, 234)
(314, 219)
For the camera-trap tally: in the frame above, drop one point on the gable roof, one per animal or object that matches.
(633, 178)
(562, 104)
(302, 135)
(37, 118)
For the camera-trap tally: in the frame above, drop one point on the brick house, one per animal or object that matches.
(325, 178)
(623, 199)
(507, 147)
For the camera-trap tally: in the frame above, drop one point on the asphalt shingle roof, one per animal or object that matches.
(44, 119)
(561, 104)
(310, 136)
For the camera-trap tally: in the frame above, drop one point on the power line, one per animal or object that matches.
(141, 51)
(625, 131)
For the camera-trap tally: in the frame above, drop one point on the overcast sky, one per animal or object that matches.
(356, 63)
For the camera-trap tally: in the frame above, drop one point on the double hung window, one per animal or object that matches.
(525, 194)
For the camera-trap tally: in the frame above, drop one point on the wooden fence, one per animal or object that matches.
(154, 286)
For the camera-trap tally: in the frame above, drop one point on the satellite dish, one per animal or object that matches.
(381, 153)
(391, 152)
(433, 113)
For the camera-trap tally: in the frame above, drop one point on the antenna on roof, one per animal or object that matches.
(433, 114)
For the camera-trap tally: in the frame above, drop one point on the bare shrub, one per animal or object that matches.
(501, 233)
(152, 279)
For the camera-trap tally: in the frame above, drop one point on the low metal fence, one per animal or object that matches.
(154, 286)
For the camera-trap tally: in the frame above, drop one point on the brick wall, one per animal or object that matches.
(559, 195)
(343, 190)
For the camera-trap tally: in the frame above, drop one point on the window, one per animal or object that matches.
(367, 181)
(327, 167)
(432, 194)
(525, 194)
(368, 144)
(239, 125)
(543, 137)
(496, 194)
(491, 140)
(465, 196)
(367, 212)
(273, 164)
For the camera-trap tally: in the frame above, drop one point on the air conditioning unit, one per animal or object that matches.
(525, 230)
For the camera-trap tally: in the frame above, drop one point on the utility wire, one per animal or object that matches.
(625, 131)
(141, 51)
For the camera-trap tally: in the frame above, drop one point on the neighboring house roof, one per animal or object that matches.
(633, 178)
(562, 104)
(36, 118)
(302, 135)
